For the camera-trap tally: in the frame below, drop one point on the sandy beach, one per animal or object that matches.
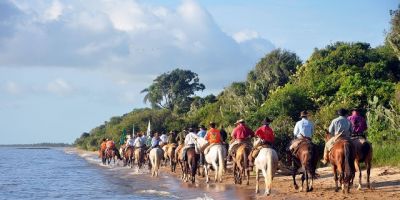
(385, 183)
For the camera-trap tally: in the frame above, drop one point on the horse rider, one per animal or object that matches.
(111, 145)
(203, 131)
(358, 123)
(155, 142)
(164, 139)
(130, 142)
(103, 147)
(190, 142)
(240, 134)
(303, 131)
(267, 138)
(181, 141)
(172, 137)
(139, 141)
(213, 136)
(341, 128)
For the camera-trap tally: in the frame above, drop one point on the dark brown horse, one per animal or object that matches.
(129, 156)
(363, 151)
(191, 164)
(240, 163)
(306, 158)
(342, 156)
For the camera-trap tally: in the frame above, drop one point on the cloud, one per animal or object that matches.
(13, 88)
(60, 87)
(127, 36)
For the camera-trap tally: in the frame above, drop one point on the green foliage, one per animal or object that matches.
(386, 154)
(172, 90)
(393, 37)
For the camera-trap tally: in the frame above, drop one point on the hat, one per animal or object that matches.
(202, 127)
(342, 112)
(128, 136)
(239, 121)
(266, 121)
(212, 123)
(304, 113)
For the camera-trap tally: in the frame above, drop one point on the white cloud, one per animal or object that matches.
(54, 11)
(60, 87)
(128, 36)
(245, 35)
(13, 88)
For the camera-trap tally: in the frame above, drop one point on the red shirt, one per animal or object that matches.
(266, 134)
(241, 132)
(213, 136)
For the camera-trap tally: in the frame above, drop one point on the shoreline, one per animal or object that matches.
(385, 182)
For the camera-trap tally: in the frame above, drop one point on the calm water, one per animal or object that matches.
(62, 174)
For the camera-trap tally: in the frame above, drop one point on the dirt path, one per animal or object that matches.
(385, 182)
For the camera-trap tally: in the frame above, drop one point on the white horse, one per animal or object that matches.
(267, 162)
(155, 156)
(215, 157)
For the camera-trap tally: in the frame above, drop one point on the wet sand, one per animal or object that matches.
(385, 182)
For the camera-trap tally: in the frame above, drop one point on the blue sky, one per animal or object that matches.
(67, 66)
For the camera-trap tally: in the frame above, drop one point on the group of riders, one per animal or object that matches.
(342, 127)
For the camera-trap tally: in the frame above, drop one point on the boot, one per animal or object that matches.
(325, 159)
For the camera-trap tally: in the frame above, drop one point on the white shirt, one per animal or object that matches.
(138, 142)
(164, 138)
(303, 127)
(130, 142)
(191, 138)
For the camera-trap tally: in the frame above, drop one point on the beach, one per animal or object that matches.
(385, 182)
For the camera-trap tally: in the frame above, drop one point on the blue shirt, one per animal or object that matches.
(304, 127)
(340, 125)
(155, 141)
(202, 133)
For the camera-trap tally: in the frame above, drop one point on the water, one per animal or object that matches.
(57, 173)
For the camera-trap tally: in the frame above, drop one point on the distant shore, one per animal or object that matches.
(37, 145)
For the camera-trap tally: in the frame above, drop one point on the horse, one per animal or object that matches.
(155, 156)
(342, 158)
(191, 164)
(306, 158)
(169, 154)
(109, 154)
(179, 159)
(363, 153)
(129, 156)
(139, 156)
(215, 158)
(240, 163)
(267, 162)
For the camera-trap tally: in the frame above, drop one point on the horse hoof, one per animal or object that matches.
(359, 187)
(296, 187)
(267, 193)
(311, 189)
(336, 190)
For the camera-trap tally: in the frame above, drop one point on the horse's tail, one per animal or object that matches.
(365, 149)
(348, 162)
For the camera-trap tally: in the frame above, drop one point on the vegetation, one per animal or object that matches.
(341, 75)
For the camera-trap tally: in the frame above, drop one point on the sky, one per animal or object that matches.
(66, 66)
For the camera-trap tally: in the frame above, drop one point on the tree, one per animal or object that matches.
(393, 37)
(172, 90)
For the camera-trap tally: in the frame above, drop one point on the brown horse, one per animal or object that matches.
(363, 151)
(240, 163)
(306, 158)
(179, 159)
(342, 158)
(109, 154)
(139, 156)
(128, 156)
(191, 164)
(169, 154)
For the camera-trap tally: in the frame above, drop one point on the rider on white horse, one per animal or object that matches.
(267, 137)
(213, 136)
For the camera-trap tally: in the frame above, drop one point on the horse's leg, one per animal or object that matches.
(296, 187)
(358, 168)
(303, 177)
(267, 180)
(234, 173)
(246, 171)
(307, 188)
(257, 180)
(335, 176)
(368, 166)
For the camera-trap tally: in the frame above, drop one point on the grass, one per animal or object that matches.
(386, 154)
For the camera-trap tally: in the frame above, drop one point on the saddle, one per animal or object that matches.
(303, 140)
(236, 147)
